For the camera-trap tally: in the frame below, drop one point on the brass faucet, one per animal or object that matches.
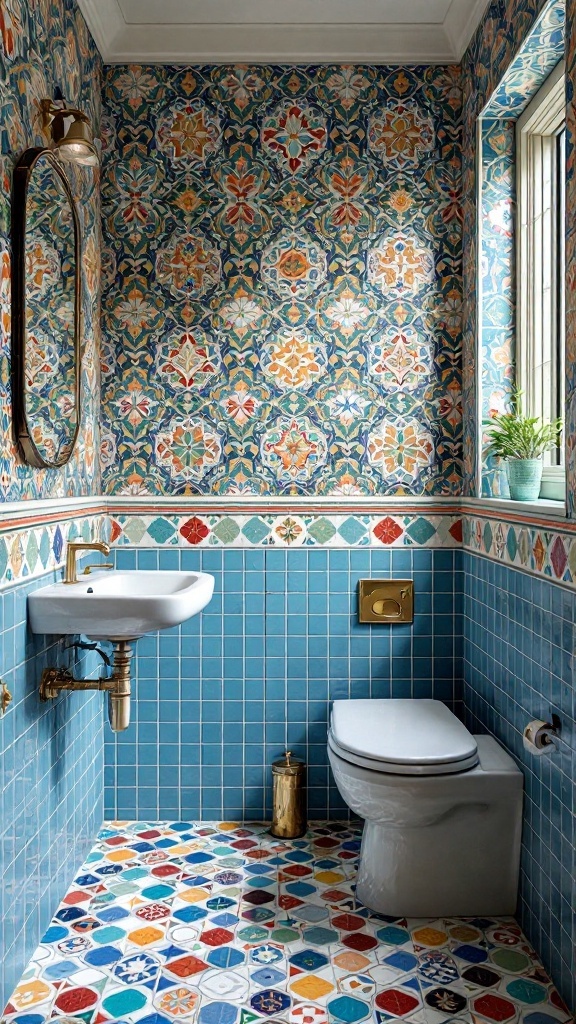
(72, 550)
(97, 565)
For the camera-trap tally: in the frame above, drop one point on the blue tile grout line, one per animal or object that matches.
(256, 670)
(50, 773)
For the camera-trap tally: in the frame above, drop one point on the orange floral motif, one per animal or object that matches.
(189, 264)
(135, 406)
(401, 135)
(346, 85)
(189, 448)
(293, 448)
(136, 85)
(401, 449)
(189, 132)
(290, 531)
(401, 201)
(347, 312)
(241, 85)
(293, 202)
(400, 262)
(240, 312)
(401, 359)
(240, 405)
(294, 359)
(188, 201)
(294, 264)
(178, 1002)
(242, 186)
(135, 313)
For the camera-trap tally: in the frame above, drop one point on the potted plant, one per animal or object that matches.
(521, 441)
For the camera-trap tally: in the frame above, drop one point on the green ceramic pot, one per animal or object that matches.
(524, 479)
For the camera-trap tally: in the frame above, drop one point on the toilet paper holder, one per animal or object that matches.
(538, 735)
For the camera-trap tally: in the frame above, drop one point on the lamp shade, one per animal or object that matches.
(75, 144)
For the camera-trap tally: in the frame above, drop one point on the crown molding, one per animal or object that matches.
(359, 42)
(105, 22)
(460, 25)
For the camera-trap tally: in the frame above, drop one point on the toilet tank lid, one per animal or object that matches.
(409, 732)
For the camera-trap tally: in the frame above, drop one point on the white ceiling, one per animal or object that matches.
(279, 31)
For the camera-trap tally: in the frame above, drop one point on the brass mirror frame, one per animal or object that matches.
(21, 181)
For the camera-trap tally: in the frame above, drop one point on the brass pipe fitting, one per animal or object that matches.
(119, 695)
(5, 697)
(55, 680)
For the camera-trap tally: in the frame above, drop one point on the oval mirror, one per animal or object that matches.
(45, 310)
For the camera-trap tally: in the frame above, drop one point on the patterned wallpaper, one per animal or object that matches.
(501, 62)
(282, 280)
(571, 257)
(539, 53)
(43, 46)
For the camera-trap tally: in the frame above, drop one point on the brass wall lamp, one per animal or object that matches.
(71, 131)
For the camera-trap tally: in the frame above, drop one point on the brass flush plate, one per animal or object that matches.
(386, 601)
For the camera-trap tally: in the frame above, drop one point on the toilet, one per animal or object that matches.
(442, 809)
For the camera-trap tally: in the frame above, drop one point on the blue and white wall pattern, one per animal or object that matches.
(282, 280)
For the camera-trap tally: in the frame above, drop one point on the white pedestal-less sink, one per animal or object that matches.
(120, 605)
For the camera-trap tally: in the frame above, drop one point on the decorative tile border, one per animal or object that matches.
(32, 543)
(540, 548)
(282, 529)
(32, 549)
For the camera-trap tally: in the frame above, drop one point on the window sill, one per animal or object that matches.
(542, 507)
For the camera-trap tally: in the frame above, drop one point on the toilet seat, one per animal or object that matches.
(401, 737)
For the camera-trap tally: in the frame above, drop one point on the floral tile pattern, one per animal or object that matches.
(538, 55)
(539, 52)
(223, 924)
(498, 323)
(282, 280)
(514, 48)
(286, 530)
(44, 46)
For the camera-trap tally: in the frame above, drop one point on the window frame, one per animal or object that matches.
(541, 311)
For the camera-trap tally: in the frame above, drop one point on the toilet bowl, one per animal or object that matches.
(442, 809)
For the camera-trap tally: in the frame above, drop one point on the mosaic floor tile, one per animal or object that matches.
(223, 924)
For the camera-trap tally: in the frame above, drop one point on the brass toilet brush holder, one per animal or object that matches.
(288, 797)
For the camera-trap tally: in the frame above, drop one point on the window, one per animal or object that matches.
(541, 170)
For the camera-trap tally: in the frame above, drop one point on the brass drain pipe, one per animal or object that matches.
(119, 695)
(54, 680)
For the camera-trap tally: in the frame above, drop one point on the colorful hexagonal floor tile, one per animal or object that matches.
(219, 923)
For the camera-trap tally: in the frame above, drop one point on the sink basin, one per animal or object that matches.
(120, 605)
